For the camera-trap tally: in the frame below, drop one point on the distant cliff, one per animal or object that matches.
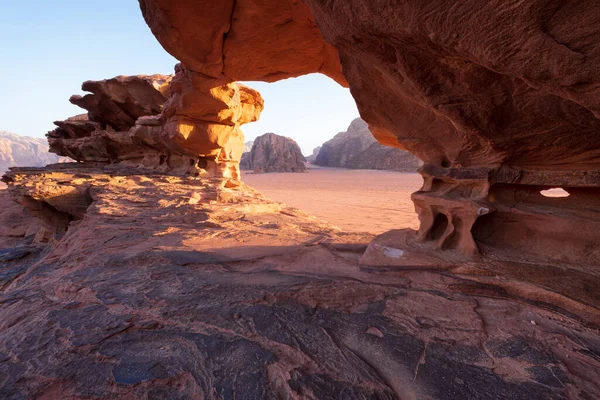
(273, 153)
(313, 157)
(357, 148)
(24, 151)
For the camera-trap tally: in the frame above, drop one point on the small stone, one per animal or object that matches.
(195, 198)
(374, 331)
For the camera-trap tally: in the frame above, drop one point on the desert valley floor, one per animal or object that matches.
(353, 200)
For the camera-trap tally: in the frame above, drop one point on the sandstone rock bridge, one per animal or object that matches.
(500, 99)
(150, 271)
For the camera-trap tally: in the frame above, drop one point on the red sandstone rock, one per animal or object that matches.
(485, 93)
(244, 40)
(131, 122)
(501, 107)
(274, 153)
(179, 287)
(118, 102)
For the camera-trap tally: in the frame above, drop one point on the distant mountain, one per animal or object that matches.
(358, 149)
(274, 153)
(24, 151)
(313, 157)
(248, 146)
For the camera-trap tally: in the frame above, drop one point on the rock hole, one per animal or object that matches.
(485, 226)
(555, 192)
(202, 163)
(440, 224)
(446, 163)
(163, 159)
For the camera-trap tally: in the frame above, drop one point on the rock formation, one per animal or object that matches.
(141, 284)
(357, 148)
(248, 146)
(503, 108)
(165, 286)
(24, 151)
(274, 153)
(155, 123)
(313, 157)
(345, 146)
(378, 156)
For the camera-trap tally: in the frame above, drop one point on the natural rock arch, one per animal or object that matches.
(509, 103)
(497, 111)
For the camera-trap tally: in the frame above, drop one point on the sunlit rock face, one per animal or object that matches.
(506, 106)
(154, 122)
(227, 41)
(244, 40)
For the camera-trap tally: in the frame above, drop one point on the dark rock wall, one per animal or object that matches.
(357, 148)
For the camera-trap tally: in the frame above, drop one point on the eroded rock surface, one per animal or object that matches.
(160, 286)
(494, 109)
(179, 287)
(357, 148)
(511, 103)
(274, 153)
(185, 123)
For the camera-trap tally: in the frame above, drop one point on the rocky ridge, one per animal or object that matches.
(142, 284)
(21, 151)
(274, 153)
(357, 148)
(313, 156)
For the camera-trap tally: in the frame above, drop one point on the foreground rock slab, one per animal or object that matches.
(181, 287)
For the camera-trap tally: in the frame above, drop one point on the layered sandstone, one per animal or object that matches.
(163, 286)
(157, 122)
(274, 153)
(357, 148)
(496, 108)
(136, 284)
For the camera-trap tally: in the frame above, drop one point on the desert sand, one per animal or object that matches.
(353, 200)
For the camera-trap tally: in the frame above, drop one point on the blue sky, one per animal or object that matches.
(48, 48)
